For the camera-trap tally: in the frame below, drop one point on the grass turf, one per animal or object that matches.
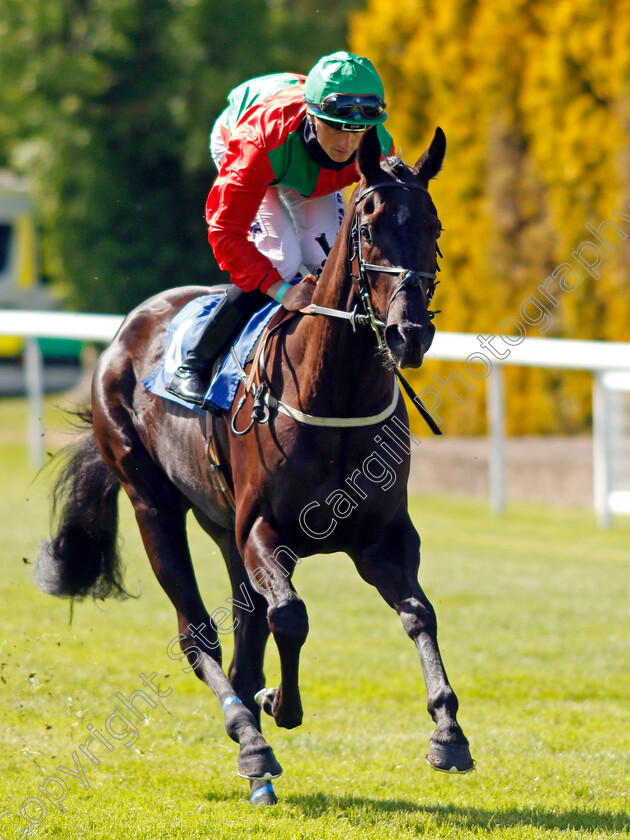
(533, 611)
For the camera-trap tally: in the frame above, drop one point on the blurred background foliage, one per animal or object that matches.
(106, 107)
(534, 98)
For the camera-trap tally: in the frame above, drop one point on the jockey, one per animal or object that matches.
(284, 147)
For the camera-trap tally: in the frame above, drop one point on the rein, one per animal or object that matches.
(264, 400)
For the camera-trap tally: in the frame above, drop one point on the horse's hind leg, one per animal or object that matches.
(251, 632)
(250, 640)
(160, 513)
(163, 532)
(391, 565)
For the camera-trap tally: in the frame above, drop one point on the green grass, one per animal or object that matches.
(533, 611)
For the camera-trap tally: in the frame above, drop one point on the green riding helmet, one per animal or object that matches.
(345, 89)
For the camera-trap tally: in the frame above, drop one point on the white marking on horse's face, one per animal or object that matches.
(402, 215)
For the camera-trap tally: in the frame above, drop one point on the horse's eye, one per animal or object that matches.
(365, 233)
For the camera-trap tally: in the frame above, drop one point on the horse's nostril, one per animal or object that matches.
(395, 340)
(409, 342)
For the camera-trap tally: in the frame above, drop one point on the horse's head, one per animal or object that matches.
(395, 233)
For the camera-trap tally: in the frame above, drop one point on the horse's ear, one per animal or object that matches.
(430, 162)
(370, 155)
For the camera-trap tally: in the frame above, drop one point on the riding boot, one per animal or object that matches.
(190, 380)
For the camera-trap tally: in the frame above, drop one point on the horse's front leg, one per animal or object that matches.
(391, 565)
(270, 565)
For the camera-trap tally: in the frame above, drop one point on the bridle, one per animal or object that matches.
(409, 278)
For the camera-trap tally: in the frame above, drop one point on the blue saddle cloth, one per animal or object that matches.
(183, 332)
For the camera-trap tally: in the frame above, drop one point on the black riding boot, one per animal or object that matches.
(190, 380)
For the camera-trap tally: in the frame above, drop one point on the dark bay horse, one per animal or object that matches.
(301, 486)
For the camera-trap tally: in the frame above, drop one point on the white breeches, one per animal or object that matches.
(287, 223)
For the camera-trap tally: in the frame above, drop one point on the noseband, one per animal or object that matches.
(410, 278)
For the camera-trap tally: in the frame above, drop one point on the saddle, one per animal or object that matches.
(181, 334)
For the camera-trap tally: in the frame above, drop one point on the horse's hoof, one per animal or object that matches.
(289, 718)
(261, 763)
(263, 796)
(450, 758)
(265, 698)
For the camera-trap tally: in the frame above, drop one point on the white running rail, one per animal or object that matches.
(608, 361)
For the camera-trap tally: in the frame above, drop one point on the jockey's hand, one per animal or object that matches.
(298, 296)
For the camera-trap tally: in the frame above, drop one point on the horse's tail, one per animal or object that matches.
(81, 558)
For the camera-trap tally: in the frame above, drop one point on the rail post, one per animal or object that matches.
(495, 409)
(34, 373)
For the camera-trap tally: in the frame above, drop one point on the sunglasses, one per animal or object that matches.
(345, 105)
